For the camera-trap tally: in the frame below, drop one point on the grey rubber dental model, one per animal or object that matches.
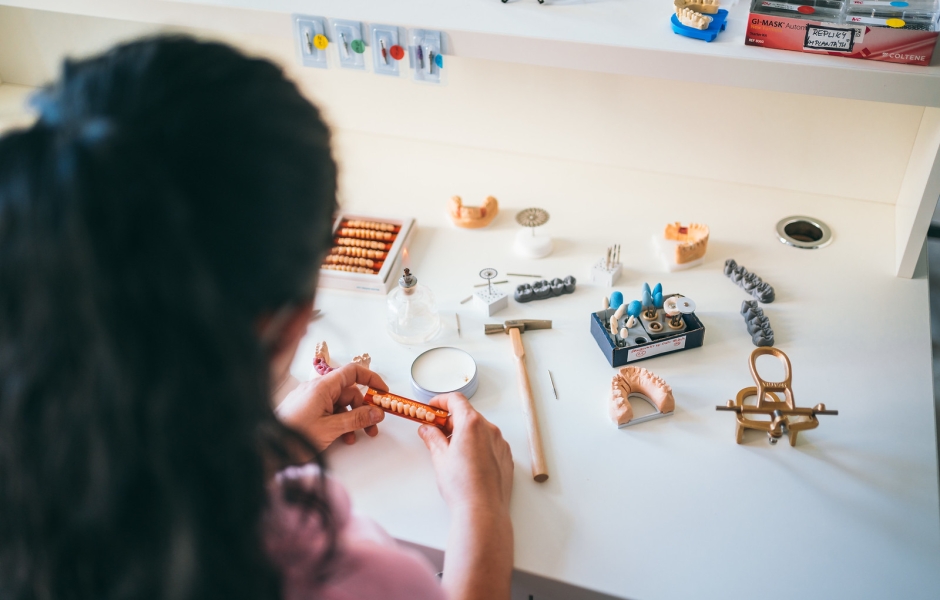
(749, 282)
(541, 290)
(758, 325)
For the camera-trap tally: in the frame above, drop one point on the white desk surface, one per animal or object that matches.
(671, 508)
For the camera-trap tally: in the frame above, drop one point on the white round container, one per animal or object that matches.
(443, 370)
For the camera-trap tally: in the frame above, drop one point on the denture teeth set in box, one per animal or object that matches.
(366, 254)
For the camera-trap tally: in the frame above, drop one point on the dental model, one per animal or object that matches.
(472, 217)
(369, 225)
(368, 234)
(637, 380)
(693, 241)
(323, 365)
(758, 325)
(541, 290)
(749, 282)
(709, 7)
(358, 252)
(409, 409)
(338, 259)
(345, 241)
(691, 18)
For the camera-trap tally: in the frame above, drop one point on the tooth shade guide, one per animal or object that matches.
(408, 409)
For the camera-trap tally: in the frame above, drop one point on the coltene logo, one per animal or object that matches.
(902, 56)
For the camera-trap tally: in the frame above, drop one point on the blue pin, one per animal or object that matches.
(634, 309)
(900, 4)
(646, 290)
(616, 299)
(658, 299)
(647, 299)
(657, 289)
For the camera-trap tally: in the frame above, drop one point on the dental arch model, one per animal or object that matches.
(691, 18)
(323, 365)
(749, 282)
(473, 217)
(692, 238)
(703, 6)
(637, 380)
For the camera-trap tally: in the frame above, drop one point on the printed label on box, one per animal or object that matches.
(832, 39)
(657, 348)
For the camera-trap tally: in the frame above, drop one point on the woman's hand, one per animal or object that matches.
(332, 406)
(474, 474)
(474, 467)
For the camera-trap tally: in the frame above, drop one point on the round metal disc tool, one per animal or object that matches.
(488, 273)
(685, 305)
(532, 217)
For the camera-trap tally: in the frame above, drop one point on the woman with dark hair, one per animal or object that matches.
(161, 225)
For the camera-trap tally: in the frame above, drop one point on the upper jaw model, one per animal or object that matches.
(472, 217)
(322, 364)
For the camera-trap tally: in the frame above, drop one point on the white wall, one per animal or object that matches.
(838, 147)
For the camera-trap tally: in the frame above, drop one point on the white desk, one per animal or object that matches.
(672, 508)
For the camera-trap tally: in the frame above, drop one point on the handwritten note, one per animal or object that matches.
(834, 39)
(657, 348)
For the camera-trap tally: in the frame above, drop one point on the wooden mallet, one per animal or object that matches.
(515, 328)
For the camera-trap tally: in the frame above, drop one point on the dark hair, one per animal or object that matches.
(171, 193)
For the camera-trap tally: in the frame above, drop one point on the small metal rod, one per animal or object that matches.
(488, 283)
(456, 316)
(523, 275)
(467, 299)
(554, 389)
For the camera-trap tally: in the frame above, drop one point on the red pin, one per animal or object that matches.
(397, 52)
(806, 10)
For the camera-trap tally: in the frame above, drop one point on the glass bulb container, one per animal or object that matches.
(412, 315)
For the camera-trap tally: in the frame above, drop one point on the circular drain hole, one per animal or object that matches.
(804, 232)
(640, 340)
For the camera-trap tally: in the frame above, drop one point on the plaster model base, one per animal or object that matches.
(491, 302)
(530, 246)
(666, 250)
(602, 275)
(472, 217)
(637, 381)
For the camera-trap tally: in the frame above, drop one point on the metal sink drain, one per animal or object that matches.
(804, 232)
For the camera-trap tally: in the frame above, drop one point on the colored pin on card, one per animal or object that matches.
(320, 42)
(717, 25)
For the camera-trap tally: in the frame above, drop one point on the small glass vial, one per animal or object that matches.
(412, 316)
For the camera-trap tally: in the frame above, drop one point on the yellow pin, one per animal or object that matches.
(896, 23)
(320, 42)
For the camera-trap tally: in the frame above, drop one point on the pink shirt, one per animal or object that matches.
(368, 564)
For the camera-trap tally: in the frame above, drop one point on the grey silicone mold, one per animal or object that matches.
(749, 282)
(540, 290)
(758, 325)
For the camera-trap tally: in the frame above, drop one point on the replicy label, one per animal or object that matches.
(657, 348)
(833, 39)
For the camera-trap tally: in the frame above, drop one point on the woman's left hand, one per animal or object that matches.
(332, 406)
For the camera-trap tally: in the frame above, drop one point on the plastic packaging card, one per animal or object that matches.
(386, 49)
(312, 40)
(427, 60)
(350, 45)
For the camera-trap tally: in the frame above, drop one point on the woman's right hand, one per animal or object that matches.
(474, 467)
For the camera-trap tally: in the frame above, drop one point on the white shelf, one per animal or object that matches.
(630, 37)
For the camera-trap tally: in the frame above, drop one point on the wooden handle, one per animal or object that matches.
(539, 470)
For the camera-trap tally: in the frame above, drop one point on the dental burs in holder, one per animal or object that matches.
(608, 269)
(411, 313)
(312, 40)
(426, 53)
(347, 36)
(527, 244)
(784, 416)
(490, 299)
(386, 49)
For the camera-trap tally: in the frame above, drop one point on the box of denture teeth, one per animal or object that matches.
(649, 332)
(367, 253)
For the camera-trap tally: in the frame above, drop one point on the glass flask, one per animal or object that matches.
(412, 316)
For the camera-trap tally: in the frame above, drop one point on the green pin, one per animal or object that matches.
(358, 46)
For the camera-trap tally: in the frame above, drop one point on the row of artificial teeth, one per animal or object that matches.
(404, 408)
